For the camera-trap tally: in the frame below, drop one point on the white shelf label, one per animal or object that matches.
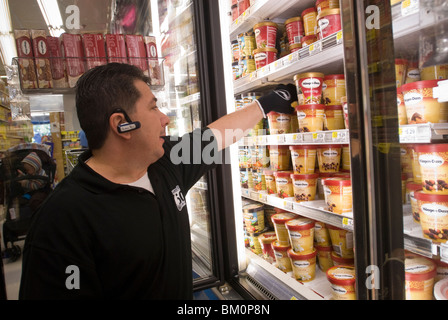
(409, 7)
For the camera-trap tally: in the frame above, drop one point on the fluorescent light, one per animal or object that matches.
(52, 16)
(7, 42)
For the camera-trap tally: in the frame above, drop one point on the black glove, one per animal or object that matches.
(279, 100)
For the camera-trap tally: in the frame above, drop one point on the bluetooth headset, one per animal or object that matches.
(127, 126)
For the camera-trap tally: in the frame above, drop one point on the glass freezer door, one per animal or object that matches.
(174, 27)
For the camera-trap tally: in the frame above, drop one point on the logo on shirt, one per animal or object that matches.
(178, 198)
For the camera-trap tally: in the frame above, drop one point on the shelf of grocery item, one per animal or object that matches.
(423, 133)
(260, 10)
(326, 55)
(310, 209)
(318, 137)
(283, 285)
(414, 241)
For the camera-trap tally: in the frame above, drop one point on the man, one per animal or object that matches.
(117, 227)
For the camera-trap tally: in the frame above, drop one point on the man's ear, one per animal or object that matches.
(114, 122)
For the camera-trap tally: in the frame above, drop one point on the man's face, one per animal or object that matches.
(153, 123)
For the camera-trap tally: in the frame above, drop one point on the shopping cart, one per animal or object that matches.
(71, 158)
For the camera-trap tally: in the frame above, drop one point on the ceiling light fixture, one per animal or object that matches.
(52, 16)
(7, 42)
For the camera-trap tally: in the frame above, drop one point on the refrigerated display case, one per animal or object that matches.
(178, 27)
(378, 229)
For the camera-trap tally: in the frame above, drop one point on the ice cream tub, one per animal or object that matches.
(307, 40)
(254, 217)
(301, 234)
(341, 241)
(421, 106)
(281, 256)
(259, 179)
(310, 85)
(244, 178)
(309, 21)
(304, 186)
(412, 72)
(340, 261)
(329, 22)
(295, 47)
(329, 157)
(269, 178)
(433, 161)
(279, 123)
(411, 187)
(437, 72)
(320, 186)
(441, 290)
(283, 183)
(264, 56)
(266, 239)
(266, 34)
(442, 269)
(324, 257)
(326, 4)
(338, 195)
(416, 172)
(280, 157)
(342, 282)
(259, 157)
(321, 234)
(279, 220)
(419, 277)
(303, 158)
(400, 71)
(401, 108)
(244, 157)
(346, 157)
(433, 211)
(334, 118)
(333, 89)
(303, 265)
(247, 65)
(246, 43)
(294, 30)
(310, 117)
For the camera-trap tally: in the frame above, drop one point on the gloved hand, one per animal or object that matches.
(279, 100)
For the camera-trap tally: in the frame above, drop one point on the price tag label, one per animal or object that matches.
(287, 205)
(281, 138)
(347, 222)
(339, 37)
(262, 197)
(314, 48)
(409, 7)
(253, 76)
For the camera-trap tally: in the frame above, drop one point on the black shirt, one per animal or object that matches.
(93, 238)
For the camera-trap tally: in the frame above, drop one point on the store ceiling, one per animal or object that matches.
(95, 15)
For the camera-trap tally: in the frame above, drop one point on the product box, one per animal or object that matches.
(155, 72)
(42, 61)
(58, 70)
(94, 48)
(116, 48)
(136, 52)
(28, 79)
(73, 53)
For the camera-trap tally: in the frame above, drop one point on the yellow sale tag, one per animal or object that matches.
(314, 136)
(339, 35)
(334, 134)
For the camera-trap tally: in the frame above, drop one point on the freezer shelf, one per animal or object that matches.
(310, 209)
(318, 137)
(282, 285)
(324, 55)
(423, 133)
